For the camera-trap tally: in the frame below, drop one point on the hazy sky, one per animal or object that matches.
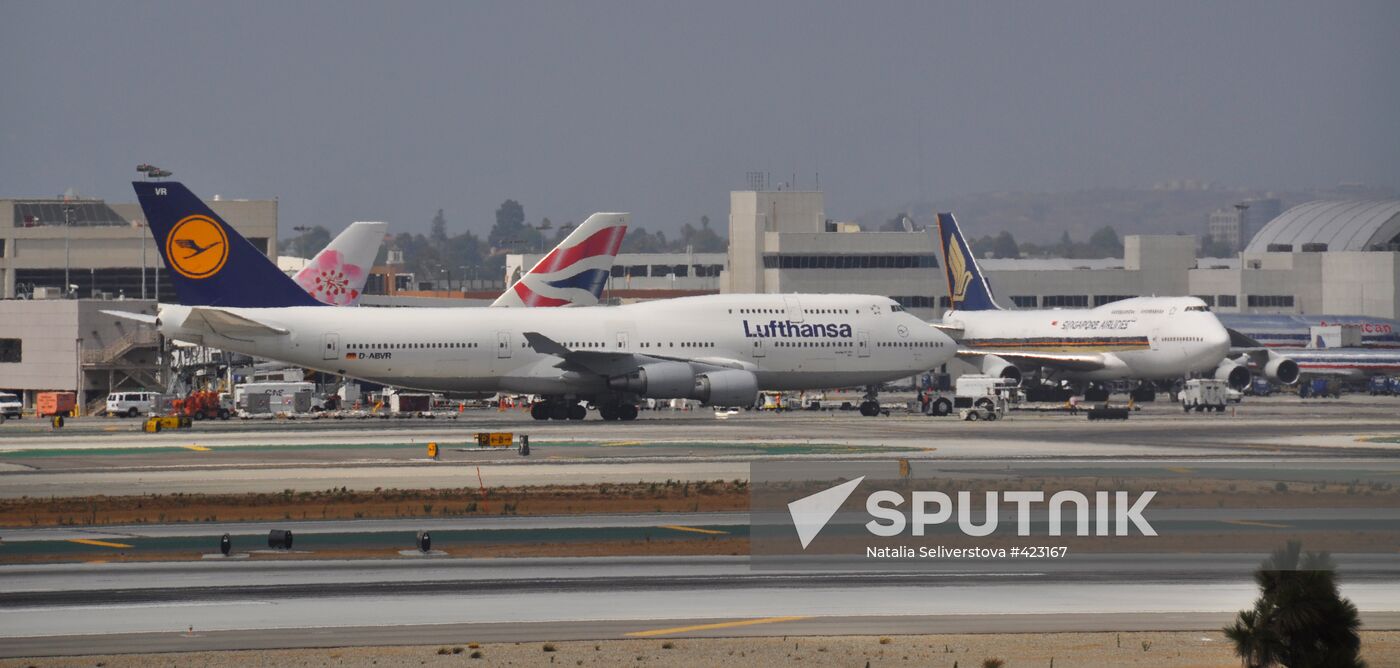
(387, 111)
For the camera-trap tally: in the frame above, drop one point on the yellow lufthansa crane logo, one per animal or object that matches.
(197, 247)
(957, 267)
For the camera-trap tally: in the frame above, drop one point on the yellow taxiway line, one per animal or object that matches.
(717, 625)
(99, 543)
(196, 447)
(1252, 523)
(677, 527)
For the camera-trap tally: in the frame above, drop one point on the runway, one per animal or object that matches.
(52, 609)
(247, 605)
(237, 457)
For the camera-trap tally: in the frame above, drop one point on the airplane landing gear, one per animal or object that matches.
(539, 410)
(1144, 393)
(871, 406)
(624, 412)
(1095, 393)
(556, 408)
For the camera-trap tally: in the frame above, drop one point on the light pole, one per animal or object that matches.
(1243, 208)
(301, 239)
(67, 235)
(142, 232)
(151, 172)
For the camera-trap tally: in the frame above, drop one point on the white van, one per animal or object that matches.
(132, 404)
(10, 406)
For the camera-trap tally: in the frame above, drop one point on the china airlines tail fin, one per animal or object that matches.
(576, 271)
(209, 262)
(967, 287)
(338, 273)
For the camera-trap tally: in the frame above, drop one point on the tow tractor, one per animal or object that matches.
(202, 405)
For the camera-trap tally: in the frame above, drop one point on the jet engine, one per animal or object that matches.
(1280, 369)
(1235, 374)
(1000, 368)
(662, 380)
(730, 387)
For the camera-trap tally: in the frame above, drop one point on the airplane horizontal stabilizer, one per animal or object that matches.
(138, 317)
(226, 323)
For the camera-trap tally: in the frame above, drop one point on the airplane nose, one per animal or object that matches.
(1217, 338)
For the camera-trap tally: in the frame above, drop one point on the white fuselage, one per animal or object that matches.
(1146, 338)
(789, 342)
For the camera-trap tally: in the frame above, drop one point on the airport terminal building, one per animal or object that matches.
(104, 249)
(56, 338)
(1334, 257)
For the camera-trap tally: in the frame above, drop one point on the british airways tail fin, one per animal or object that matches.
(338, 273)
(576, 271)
(209, 262)
(967, 287)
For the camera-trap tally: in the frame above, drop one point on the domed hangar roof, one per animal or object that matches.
(1347, 225)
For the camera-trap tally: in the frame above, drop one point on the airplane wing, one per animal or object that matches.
(1248, 351)
(1067, 361)
(615, 364)
(128, 315)
(1241, 343)
(225, 323)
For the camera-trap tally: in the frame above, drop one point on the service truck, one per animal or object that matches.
(987, 396)
(1204, 394)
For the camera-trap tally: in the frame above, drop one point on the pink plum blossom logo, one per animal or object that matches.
(331, 280)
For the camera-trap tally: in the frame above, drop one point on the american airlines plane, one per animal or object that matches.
(719, 349)
(1290, 337)
(1143, 338)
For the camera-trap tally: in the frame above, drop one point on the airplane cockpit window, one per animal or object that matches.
(1202, 307)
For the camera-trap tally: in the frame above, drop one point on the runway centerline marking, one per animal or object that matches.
(716, 625)
(1253, 523)
(677, 527)
(98, 543)
(196, 447)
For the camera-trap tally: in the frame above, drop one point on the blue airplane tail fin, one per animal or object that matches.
(967, 287)
(209, 262)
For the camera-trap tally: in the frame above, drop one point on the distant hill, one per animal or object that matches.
(1043, 217)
